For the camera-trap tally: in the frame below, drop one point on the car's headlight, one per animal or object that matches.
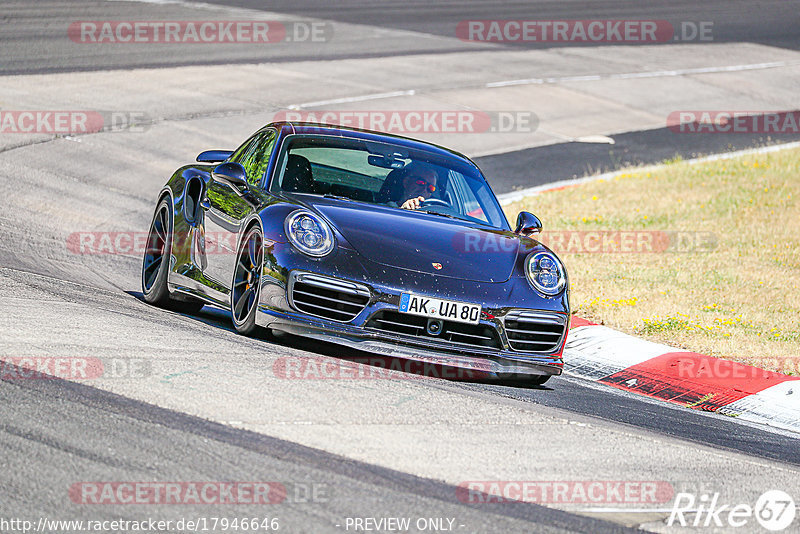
(309, 233)
(546, 273)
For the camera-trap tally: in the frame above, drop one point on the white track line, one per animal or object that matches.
(349, 99)
(647, 74)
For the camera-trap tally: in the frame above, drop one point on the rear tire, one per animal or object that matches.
(155, 264)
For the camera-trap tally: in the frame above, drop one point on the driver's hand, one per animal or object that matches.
(413, 203)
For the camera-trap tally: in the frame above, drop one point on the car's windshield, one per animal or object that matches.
(380, 173)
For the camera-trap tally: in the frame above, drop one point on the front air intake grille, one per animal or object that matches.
(475, 335)
(531, 331)
(337, 300)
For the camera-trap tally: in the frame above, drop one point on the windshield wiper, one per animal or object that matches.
(443, 215)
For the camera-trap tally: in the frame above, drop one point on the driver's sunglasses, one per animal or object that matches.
(421, 181)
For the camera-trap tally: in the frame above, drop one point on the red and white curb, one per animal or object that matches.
(597, 353)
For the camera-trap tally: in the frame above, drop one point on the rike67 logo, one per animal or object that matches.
(774, 510)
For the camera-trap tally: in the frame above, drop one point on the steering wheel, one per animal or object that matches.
(435, 202)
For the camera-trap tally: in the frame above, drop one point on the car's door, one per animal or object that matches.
(226, 208)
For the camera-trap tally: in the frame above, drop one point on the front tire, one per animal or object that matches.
(155, 264)
(246, 286)
(523, 379)
(538, 380)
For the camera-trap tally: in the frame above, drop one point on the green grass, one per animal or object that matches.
(733, 295)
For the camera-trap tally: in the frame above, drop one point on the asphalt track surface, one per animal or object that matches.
(33, 47)
(565, 161)
(56, 432)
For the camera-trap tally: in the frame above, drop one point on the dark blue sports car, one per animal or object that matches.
(382, 243)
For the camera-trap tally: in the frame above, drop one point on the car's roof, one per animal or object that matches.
(367, 135)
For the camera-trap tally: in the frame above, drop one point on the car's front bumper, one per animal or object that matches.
(489, 362)
(277, 312)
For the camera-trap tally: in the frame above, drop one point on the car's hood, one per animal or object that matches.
(422, 242)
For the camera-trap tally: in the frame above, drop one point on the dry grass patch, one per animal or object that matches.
(727, 283)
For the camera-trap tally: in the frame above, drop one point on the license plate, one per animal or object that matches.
(449, 310)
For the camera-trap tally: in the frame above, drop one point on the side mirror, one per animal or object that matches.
(233, 175)
(527, 224)
(213, 156)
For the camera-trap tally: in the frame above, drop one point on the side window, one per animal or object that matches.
(256, 157)
(237, 156)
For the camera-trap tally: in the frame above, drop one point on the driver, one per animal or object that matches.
(419, 183)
